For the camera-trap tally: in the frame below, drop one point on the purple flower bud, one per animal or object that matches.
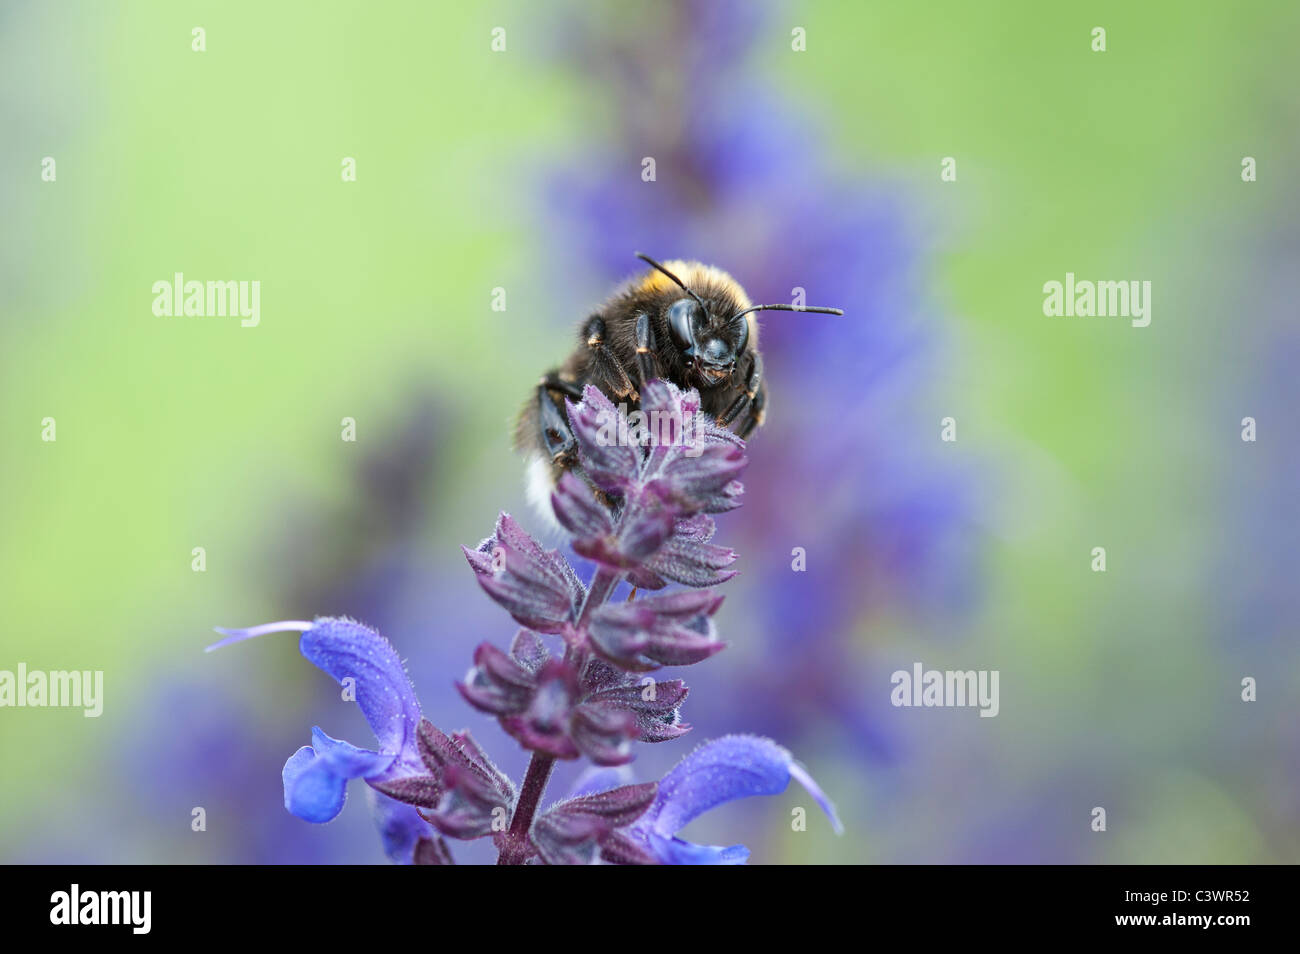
(618, 848)
(694, 481)
(543, 725)
(639, 537)
(671, 630)
(528, 650)
(421, 791)
(442, 752)
(538, 701)
(697, 469)
(687, 466)
(656, 706)
(475, 794)
(578, 510)
(604, 733)
(612, 465)
(498, 683)
(688, 558)
(536, 586)
(573, 831)
(469, 808)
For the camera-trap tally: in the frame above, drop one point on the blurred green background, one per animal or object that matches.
(1118, 689)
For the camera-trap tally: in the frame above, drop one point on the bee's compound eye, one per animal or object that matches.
(682, 317)
(742, 334)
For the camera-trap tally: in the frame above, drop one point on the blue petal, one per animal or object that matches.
(316, 776)
(675, 851)
(345, 649)
(312, 791)
(345, 759)
(800, 775)
(239, 635)
(400, 826)
(723, 770)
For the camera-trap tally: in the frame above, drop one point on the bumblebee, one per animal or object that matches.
(686, 322)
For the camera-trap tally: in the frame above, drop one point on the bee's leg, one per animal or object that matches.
(754, 415)
(557, 438)
(646, 362)
(753, 381)
(605, 364)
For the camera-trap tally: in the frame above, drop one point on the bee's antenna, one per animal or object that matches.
(818, 311)
(650, 261)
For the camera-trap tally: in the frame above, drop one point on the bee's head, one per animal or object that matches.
(709, 328)
(708, 340)
(706, 329)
